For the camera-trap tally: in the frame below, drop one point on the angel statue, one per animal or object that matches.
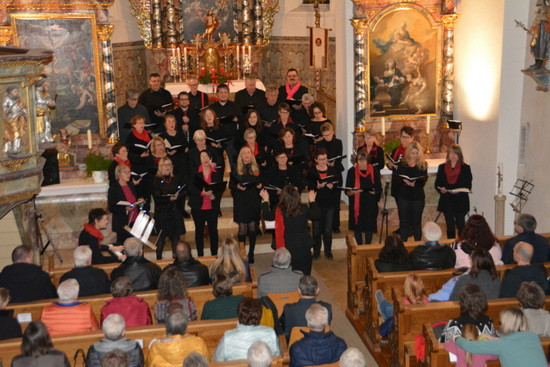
(225, 39)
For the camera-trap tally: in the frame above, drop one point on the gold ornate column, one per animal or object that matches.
(447, 104)
(360, 65)
(6, 35)
(104, 32)
(156, 23)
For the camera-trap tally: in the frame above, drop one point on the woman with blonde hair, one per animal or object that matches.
(230, 262)
(412, 175)
(375, 152)
(414, 293)
(245, 184)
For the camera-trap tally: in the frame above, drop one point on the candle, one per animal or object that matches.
(383, 126)
(89, 133)
(428, 125)
(213, 72)
(185, 56)
(238, 58)
(250, 52)
(178, 53)
(174, 52)
(202, 71)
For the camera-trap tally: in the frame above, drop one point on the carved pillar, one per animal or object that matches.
(447, 107)
(169, 32)
(104, 32)
(6, 35)
(258, 22)
(360, 62)
(180, 38)
(156, 24)
(247, 22)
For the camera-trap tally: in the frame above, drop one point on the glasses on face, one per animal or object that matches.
(284, 112)
(133, 99)
(322, 159)
(184, 99)
(406, 137)
(292, 76)
(194, 85)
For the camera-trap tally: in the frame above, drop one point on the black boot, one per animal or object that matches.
(251, 246)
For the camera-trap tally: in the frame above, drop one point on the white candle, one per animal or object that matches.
(89, 133)
(185, 55)
(250, 53)
(238, 58)
(244, 52)
(428, 119)
(173, 52)
(178, 52)
(383, 126)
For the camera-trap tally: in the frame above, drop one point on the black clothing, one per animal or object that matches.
(86, 239)
(275, 177)
(268, 113)
(195, 159)
(92, 281)
(194, 122)
(120, 217)
(297, 96)
(525, 273)
(386, 267)
(326, 197)
(396, 181)
(246, 203)
(368, 202)
(294, 314)
(334, 149)
(302, 118)
(415, 192)
(124, 115)
(195, 198)
(140, 165)
(541, 251)
(52, 358)
(410, 200)
(153, 101)
(177, 155)
(225, 114)
(194, 271)
(10, 326)
(217, 134)
(261, 135)
(143, 273)
(376, 157)
(199, 100)
(410, 218)
(26, 282)
(432, 256)
(111, 172)
(247, 101)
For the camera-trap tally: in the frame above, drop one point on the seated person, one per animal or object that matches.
(281, 278)
(92, 281)
(393, 256)
(317, 346)
(352, 357)
(525, 226)
(37, 349)
(432, 255)
(194, 271)
(115, 358)
(133, 308)
(469, 332)
(476, 234)
(172, 289)
(10, 326)
(195, 360)
(235, 343)
(114, 328)
(26, 281)
(67, 315)
(226, 304)
(531, 298)
(143, 273)
(294, 314)
(482, 272)
(178, 344)
(524, 272)
(414, 293)
(91, 236)
(259, 354)
(230, 261)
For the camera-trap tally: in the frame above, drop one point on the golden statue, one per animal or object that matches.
(211, 24)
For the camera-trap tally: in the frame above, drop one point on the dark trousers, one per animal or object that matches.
(336, 216)
(410, 217)
(323, 228)
(359, 237)
(453, 219)
(209, 217)
(160, 244)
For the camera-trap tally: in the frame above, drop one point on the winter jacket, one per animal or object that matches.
(143, 273)
(26, 282)
(102, 347)
(134, 309)
(316, 348)
(172, 350)
(66, 318)
(235, 343)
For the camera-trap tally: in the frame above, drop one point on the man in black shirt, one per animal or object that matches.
(525, 226)
(187, 118)
(250, 96)
(157, 100)
(197, 99)
(229, 114)
(269, 109)
(126, 112)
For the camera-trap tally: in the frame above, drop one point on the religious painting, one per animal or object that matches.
(404, 57)
(208, 17)
(74, 74)
(14, 119)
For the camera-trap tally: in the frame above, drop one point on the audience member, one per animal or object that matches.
(178, 344)
(235, 343)
(10, 326)
(157, 100)
(393, 256)
(473, 308)
(114, 328)
(173, 289)
(464, 359)
(115, 358)
(294, 314)
(476, 233)
(317, 347)
(250, 96)
(195, 272)
(25, 280)
(67, 315)
(352, 357)
(281, 278)
(134, 309)
(531, 299)
(195, 360)
(414, 293)
(92, 280)
(226, 304)
(259, 354)
(143, 273)
(432, 255)
(525, 226)
(515, 347)
(230, 262)
(127, 111)
(91, 236)
(482, 273)
(37, 349)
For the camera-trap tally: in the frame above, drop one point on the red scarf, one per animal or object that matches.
(256, 149)
(290, 92)
(357, 184)
(400, 151)
(126, 162)
(91, 229)
(452, 173)
(289, 121)
(206, 201)
(373, 152)
(279, 228)
(144, 135)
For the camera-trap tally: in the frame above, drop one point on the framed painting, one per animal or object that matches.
(404, 63)
(197, 12)
(74, 75)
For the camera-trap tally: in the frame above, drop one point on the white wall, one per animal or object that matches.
(126, 29)
(293, 18)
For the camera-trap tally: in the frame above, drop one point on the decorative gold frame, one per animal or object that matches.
(95, 50)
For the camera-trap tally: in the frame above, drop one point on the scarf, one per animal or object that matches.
(279, 228)
(357, 184)
(290, 92)
(373, 151)
(206, 201)
(452, 173)
(126, 162)
(399, 152)
(256, 149)
(91, 229)
(144, 135)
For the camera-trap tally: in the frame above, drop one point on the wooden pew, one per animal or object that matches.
(199, 295)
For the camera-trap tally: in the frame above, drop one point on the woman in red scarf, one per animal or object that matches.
(120, 154)
(91, 236)
(451, 175)
(363, 203)
(291, 229)
(376, 153)
(138, 143)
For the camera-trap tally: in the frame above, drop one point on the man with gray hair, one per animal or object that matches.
(294, 314)
(92, 280)
(195, 360)
(67, 315)
(281, 278)
(524, 272)
(525, 226)
(249, 97)
(143, 273)
(195, 272)
(114, 328)
(432, 255)
(259, 354)
(127, 111)
(352, 357)
(317, 346)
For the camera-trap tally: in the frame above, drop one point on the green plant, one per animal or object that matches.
(206, 79)
(391, 145)
(96, 162)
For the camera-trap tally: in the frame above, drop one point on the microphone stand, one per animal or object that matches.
(385, 213)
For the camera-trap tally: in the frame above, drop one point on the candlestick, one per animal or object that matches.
(89, 133)
(428, 120)
(383, 126)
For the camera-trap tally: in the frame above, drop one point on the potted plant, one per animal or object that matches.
(96, 165)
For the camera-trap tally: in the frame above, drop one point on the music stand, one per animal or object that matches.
(521, 190)
(385, 213)
(43, 247)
